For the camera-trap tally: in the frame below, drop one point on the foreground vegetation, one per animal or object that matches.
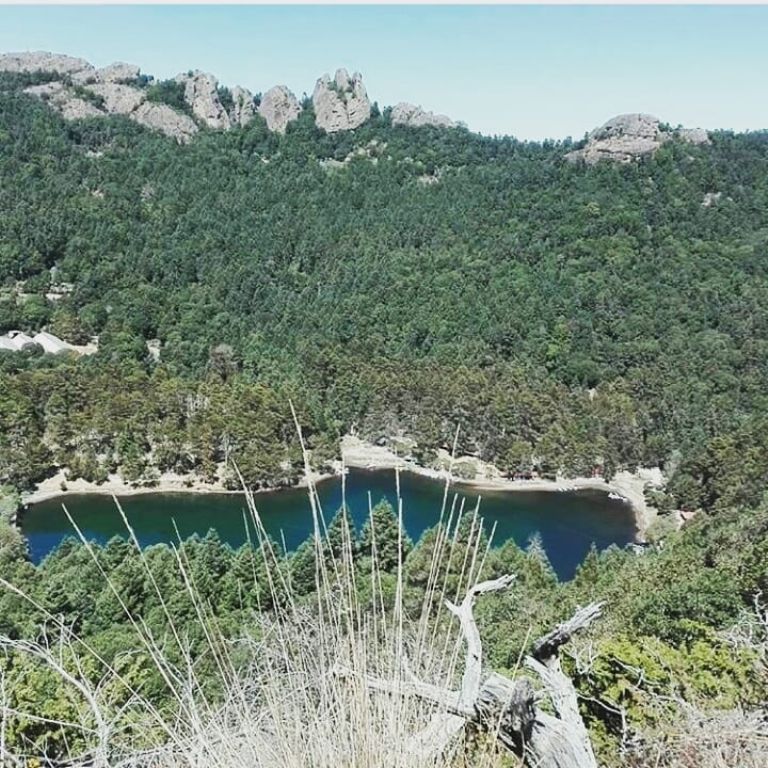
(683, 637)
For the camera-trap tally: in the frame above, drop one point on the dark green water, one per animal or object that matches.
(568, 522)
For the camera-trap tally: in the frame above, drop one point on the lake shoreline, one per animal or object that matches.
(359, 454)
(50, 488)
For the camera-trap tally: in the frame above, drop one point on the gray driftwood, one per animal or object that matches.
(508, 708)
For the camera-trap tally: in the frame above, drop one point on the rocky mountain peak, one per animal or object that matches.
(279, 107)
(340, 104)
(201, 92)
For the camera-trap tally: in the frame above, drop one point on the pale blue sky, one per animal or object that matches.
(531, 71)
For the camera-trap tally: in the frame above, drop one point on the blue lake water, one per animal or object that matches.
(567, 522)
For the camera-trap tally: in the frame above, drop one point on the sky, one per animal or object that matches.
(534, 72)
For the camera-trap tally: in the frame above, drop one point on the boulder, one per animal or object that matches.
(622, 139)
(243, 108)
(118, 99)
(202, 95)
(628, 137)
(279, 107)
(694, 135)
(161, 117)
(340, 104)
(415, 116)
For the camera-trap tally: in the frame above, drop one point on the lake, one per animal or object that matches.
(567, 522)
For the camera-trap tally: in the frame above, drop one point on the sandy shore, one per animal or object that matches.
(630, 486)
(169, 482)
(357, 453)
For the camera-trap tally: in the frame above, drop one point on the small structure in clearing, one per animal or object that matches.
(18, 341)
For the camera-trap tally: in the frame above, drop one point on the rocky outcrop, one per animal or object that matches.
(628, 137)
(42, 61)
(694, 135)
(340, 104)
(117, 99)
(416, 117)
(63, 100)
(279, 107)
(79, 71)
(161, 117)
(622, 139)
(118, 72)
(202, 95)
(243, 108)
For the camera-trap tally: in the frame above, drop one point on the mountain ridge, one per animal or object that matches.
(340, 104)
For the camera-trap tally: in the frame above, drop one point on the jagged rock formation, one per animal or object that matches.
(202, 95)
(628, 137)
(243, 108)
(340, 104)
(412, 115)
(279, 107)
(161, 117)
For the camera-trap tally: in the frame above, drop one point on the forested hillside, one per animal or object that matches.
(391, 279)
(431, 278)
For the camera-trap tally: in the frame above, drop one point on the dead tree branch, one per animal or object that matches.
(507, 708)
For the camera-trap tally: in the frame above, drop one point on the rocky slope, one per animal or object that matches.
(628, 137)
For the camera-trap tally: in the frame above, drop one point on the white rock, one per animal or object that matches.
(61, 98)
(243, 108)
(694, 135)
(201, 93)
(118, 99)
(43, 61)
(340, 104)
(161, 117)
(118, 72)
(412, 115)
(279, 107)
(628, 137)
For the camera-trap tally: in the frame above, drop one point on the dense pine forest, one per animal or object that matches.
(394, 280)
(437, 279)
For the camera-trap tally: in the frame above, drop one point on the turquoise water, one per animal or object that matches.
(568, 522)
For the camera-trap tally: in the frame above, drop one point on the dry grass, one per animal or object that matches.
(290, 708)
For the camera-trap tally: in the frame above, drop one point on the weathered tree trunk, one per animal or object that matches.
(508, 707)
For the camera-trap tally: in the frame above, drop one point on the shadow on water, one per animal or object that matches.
(567, 522)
